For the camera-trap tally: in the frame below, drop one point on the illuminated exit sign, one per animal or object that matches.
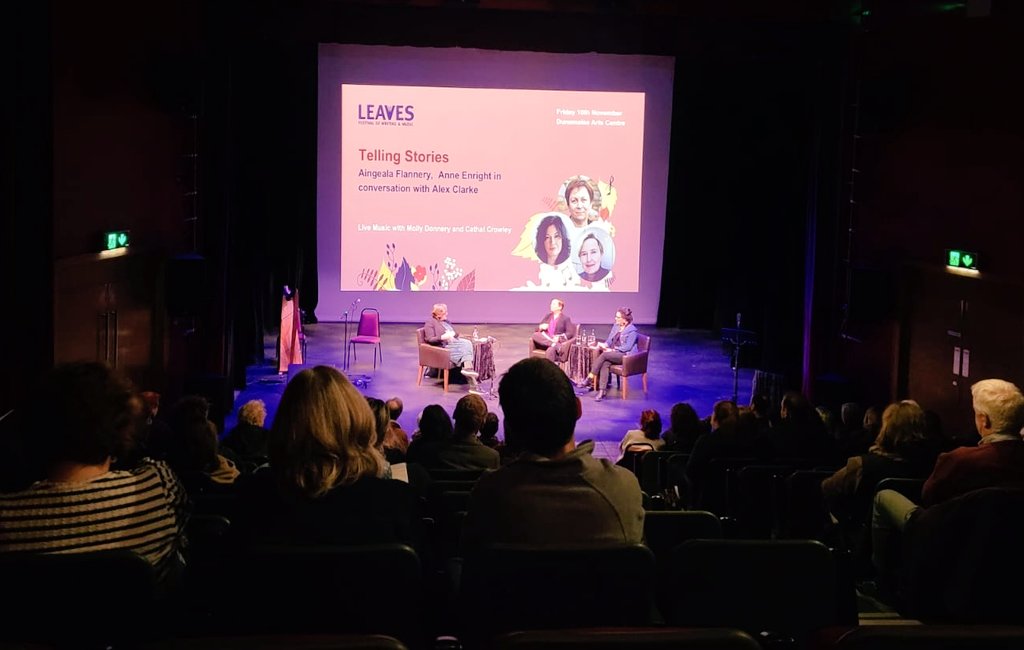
(116, 239)
(958, 259)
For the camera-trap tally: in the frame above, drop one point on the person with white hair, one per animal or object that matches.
(997, 461)
(998, 458)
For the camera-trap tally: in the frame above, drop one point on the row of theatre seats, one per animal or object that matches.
(756, 499)
(687, 587)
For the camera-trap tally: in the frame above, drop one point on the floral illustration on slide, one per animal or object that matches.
(581, 204)
(398, 274)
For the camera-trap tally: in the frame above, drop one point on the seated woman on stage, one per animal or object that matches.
(439, 331)
(553, 332)
(621, 341)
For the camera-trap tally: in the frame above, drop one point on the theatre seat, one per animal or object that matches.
(785, 588)
(508, 588)
(647, 638)
(92, 599)
(323, 589)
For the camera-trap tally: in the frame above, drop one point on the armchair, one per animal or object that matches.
(533, 350)
(432, 356)
(634, 364)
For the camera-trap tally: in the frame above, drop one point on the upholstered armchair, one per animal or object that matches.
(634, 364)
(533, 350)
(432, 356)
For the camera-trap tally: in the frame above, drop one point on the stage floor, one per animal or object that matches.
(684, 366)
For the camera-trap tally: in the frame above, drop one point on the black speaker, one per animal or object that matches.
(185, 283)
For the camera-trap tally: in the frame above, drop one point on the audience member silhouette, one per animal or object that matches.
(555, 493)
(153, 427)
(489, 431)
(905, 448)
(381, 422)
(248, 439)
(461, 449)
(685, 426)
(92, 413)
(761, 408)
(725, 440)
(325, 484)
(852, 437)
(434, 428)
(649, 433)
(192, 450)
(800, 434)
(397, 440)
(998, 458)
(996, 462)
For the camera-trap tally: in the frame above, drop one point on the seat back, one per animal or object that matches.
(633, 457)
(675, 468)
(712, 492)
(643, 343)
(439, 474)
(804, 514)
(325, 589)
(635, 363)
(369, 322)
(431, 356)
(514, 588)
(960, 559)
(654, 471)
(932, 637)
(657, 638)
(283, 642)
(96, 598)
(665, 530)
(754, 497)
(786, 587)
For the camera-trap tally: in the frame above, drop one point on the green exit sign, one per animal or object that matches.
(959, 259)
(116, 239)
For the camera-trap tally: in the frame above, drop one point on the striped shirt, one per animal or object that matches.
(142, 510)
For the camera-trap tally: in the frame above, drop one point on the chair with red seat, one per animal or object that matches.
(367, 333)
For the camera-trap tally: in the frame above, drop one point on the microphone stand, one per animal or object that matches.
(737, 338)
(351, 309)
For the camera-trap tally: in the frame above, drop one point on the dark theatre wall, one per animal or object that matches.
(940, 162)
(762, 148)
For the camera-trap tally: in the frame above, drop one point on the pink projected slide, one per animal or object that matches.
(487, 189)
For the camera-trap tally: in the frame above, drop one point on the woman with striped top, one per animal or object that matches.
(81, 504)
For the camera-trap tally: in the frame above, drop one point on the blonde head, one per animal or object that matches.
(253, 412)
(903, 425)
(439, 311)
(323, 434)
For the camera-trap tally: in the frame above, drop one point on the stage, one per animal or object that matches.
(684, 366)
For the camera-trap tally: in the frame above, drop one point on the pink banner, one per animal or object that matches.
(446, 189)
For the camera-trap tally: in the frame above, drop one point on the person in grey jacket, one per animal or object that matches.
(555, 493)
